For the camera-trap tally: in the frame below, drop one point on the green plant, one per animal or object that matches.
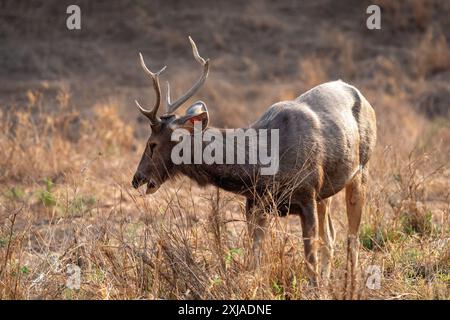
(3, 243)
(374, 237)
(15, 193)
(46, 195)
(82, 204)
(231, 253)
(278, 290)
(418, 222)
(25, 270)
(47, 198)
(216, 280)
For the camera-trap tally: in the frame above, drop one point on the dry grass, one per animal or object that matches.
(312, 71)
(67, 201)
(65, 194)
(404, 14)
(432, 54)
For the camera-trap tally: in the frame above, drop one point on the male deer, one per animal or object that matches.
(327, 136)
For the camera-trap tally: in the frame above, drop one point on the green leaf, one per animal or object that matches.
(25, 270)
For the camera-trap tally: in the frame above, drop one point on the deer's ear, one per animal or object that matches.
(197, 112)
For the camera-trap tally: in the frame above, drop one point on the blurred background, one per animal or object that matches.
(71, 138)
(261, 51)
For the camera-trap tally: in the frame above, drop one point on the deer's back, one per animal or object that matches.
(326, 135)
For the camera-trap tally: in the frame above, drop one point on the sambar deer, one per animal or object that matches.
(326, 138)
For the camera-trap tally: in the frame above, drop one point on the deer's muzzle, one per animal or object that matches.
(139, 179)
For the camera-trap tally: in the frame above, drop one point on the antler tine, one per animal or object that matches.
(171, 107)
(168, 97)
(152, 114)
(145, 112)
(195, 52)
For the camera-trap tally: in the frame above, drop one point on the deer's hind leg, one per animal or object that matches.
(355, 194)
(327, 238)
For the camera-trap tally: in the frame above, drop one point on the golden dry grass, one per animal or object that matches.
(65, 202)
(66, 198)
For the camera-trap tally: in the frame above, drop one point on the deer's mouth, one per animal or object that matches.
(139, 180)
(152, 187)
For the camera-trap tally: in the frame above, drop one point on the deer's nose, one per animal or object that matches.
(138, 180)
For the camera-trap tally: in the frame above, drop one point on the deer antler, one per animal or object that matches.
(151, 114)
(172, 106)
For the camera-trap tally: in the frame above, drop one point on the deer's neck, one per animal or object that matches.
(218, 170)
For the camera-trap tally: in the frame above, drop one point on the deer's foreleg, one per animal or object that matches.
(256, 222)
(310, 226)
(327, 238)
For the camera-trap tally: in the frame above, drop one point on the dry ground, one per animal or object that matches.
(70, 140)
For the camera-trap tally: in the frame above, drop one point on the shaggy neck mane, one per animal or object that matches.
(232, 177)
